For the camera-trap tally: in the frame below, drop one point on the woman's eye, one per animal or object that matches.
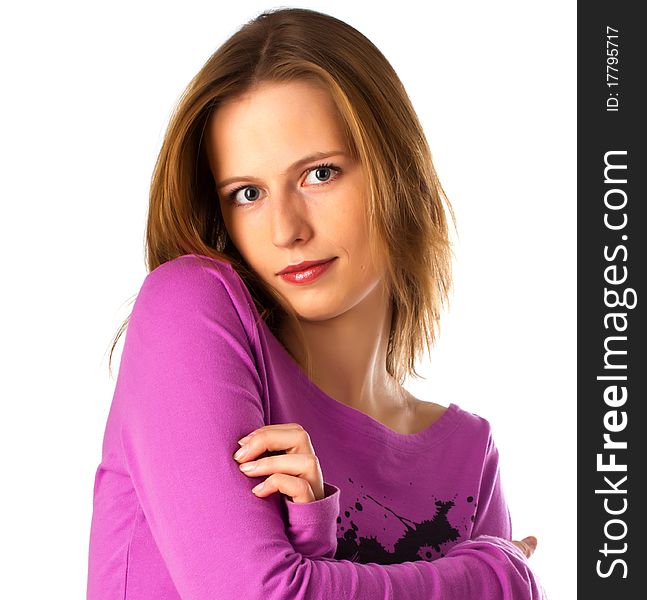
(322, 174)
(245, 195)
(250, 193)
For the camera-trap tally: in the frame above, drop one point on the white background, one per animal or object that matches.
(88, 89)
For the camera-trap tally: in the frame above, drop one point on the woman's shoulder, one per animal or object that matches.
(193, 274)
(191, 268)
(195, 282)
(473, 425)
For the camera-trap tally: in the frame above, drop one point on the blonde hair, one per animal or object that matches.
(405, 211)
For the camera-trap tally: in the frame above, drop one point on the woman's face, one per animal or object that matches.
(280, 208)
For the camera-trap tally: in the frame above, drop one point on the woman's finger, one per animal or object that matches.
(297, 465)
(269, 427)
(527, 545)
(303, 466)
(294, 455)
(291, 438)
(297, 489)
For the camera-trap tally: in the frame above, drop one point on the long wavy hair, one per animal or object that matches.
(405, 199)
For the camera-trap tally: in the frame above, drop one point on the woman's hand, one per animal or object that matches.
(290, 462)
(527, 545)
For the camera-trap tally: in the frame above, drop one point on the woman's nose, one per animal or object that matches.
(288, 219)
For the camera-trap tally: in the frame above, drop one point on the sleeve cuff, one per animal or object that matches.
(312, 526)
(323, 510)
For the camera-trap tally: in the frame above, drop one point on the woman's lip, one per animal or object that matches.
(308, 274)
(306, 265)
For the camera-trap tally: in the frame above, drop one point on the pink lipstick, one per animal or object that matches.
(309, 271)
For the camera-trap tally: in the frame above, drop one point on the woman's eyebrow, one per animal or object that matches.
(298, 163)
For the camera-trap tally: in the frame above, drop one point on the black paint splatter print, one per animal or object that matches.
(419, 541)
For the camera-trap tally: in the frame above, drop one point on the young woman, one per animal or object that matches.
(299, 259)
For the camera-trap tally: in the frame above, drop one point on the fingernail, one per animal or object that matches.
(258, 488)
(240, 452)
(241, 441)
(248, 467)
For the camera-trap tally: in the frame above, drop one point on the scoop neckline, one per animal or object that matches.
(358, 421)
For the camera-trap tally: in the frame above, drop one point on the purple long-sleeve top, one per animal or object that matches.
(417, 516)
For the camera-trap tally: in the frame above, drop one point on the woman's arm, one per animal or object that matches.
(492, 513)
(187, 390)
